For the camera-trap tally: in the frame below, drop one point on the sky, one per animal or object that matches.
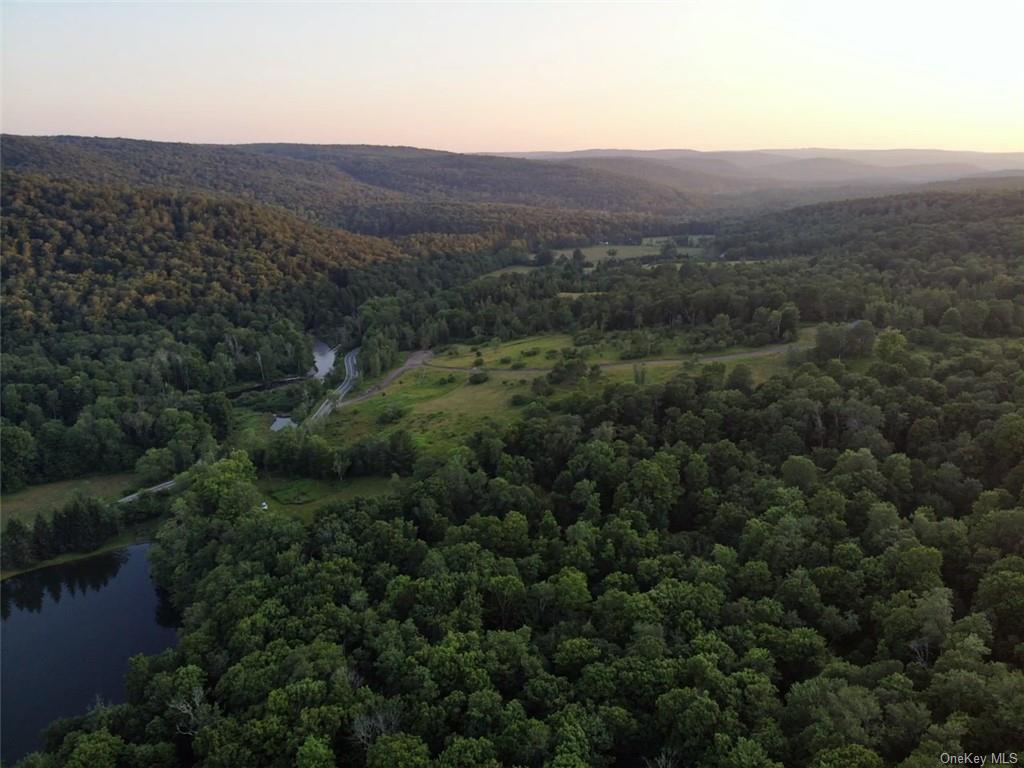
(478, 77)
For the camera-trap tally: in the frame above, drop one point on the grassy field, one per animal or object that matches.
(532, 350)
(763, 368)
(302, 497)
(542, 352)
(437, 407)
(515, 269)
(597, 253)
(694, 240)
(44, 499)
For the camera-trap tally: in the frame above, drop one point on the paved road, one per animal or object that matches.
(423, 357)
(351, 374)
(166, 485)
(415, 360)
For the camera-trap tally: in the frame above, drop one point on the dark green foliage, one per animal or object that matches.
(633, 573)
(820, 569)
(81, 525)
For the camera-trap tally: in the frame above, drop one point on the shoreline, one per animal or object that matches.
(140, 534)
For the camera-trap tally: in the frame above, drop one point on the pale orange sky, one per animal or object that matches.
(476, 77)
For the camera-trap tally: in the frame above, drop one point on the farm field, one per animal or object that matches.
(44, 499)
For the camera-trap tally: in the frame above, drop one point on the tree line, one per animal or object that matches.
(825, 569)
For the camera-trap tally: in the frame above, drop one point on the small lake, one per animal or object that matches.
(67, 633)
(323, 360)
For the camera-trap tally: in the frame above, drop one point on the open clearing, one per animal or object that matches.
(515, 269)
(45, 499)
(534, 354)
(437, 407)
(302, 497)
(597, 253)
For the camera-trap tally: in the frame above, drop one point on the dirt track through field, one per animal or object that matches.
(415, 360)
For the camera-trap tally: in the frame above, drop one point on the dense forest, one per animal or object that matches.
(822, 566)
(129, 310)
(375, 190)
(825, 570)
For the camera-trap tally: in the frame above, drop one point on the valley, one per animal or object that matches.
(489, 458)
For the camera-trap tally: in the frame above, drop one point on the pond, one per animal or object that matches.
(67, 633)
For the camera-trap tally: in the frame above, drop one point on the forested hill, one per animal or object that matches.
(78, 255)
(921, 227)
(448, 176)
(376, 190)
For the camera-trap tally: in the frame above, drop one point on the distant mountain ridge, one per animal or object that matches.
(742, 171)
(363, 188)
(397, 191)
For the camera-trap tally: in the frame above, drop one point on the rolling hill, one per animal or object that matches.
(376, 190)
(730, 173)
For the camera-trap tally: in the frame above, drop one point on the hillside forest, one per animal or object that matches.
(676, 485)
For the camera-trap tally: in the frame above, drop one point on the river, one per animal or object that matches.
(67, 633)
(323, 360)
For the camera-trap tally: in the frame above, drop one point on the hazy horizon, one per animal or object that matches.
(537, 150)
(512, 78)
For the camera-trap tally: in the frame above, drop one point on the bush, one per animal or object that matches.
(478, 378)
(392, 413)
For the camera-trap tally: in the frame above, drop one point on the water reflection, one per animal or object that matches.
(67, 634)
(26, 592)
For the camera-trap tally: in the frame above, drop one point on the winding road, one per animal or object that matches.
(424, 357)
(166, 485)
(328, 405)
(351, 374)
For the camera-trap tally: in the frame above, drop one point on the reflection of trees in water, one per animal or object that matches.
(26, 592)
(166, 614)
